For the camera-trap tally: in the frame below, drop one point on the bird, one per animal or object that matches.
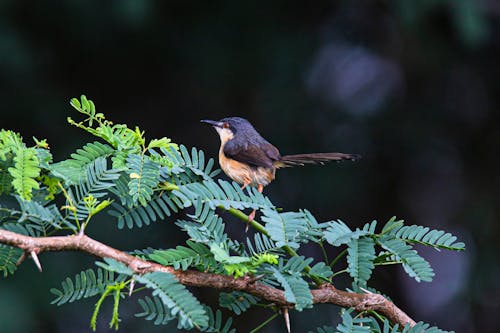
(250, 160)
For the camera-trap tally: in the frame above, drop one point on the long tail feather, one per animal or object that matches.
(314, 158)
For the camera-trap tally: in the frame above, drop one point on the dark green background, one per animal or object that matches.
(410, 85)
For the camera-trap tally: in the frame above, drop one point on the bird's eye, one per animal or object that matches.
(225, 125)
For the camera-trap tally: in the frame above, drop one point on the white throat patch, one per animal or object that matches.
(225, 134)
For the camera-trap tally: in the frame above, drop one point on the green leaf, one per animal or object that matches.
(285, 229)
(196, 255)
(154, 309)
(221, 193)
(353, 325)
(144, 176)
(8, 258)
(98, 182)
(112, 265)
(177, 298)
(74, 170)
(205, 227)
(222, 255)
(360, 256)
(161, 205)
(43, 218)
(25, 170)
(321, 270)
(237, 301)
(74, 102)
(85, 284)
(414, 265)
(392, 224)
(437, 239)
(296, 289)
(216, 324)
(338, 233)
(165, 143)
(5, 177)
(261, 244)
(422, 327)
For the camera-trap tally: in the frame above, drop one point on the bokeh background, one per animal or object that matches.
(411, 85)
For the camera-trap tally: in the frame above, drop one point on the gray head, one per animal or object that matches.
(231, 127)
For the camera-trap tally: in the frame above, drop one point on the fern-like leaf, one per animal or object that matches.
(25, 170)
(177, 298)
(221, 193)
(205, 228)
(353, 325)
(42, 217)
(8, 258)
(5, 176)
(196, 255)
(414, 265)
(153, 309)
(73, 170)
(360, 256)
(296, 289)
(237, 301)
(216, 324)
(338, 233)
(98, 181)
(437, 239)
(321, 270)
(85, 284)
(422, 327)
(286, 229)
(261, 244)
(194, 162)
(144, 176)
(159, 207)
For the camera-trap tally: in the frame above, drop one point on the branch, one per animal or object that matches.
(327, 293)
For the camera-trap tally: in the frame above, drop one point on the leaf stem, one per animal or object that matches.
(338, 257)
(339, 272)
(267, 321)
(325, 255)
(388, 263)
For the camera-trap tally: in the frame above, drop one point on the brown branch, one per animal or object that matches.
(327, 293)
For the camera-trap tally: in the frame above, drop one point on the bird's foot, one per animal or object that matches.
(251, 216)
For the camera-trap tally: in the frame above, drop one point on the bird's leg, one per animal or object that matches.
(251, 216)
(245, 184)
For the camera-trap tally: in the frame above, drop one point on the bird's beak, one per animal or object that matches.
(213, 123)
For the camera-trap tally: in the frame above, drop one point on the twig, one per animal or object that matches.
(327, 293)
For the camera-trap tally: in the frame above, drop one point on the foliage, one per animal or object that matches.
(359, 324)
(138, 182)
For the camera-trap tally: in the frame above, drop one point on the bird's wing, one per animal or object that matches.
(259, 155)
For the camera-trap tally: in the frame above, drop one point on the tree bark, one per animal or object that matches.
(327, 293)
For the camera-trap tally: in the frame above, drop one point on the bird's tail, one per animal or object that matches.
(314, 158)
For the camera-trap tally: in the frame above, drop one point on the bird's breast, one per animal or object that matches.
(243, 173)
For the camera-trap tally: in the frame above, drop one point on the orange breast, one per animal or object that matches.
(244, 174)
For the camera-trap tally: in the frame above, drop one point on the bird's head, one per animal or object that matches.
(228, 128)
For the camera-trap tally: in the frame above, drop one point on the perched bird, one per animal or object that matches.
(250, 160)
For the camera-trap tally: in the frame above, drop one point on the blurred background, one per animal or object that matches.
(410, 85)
